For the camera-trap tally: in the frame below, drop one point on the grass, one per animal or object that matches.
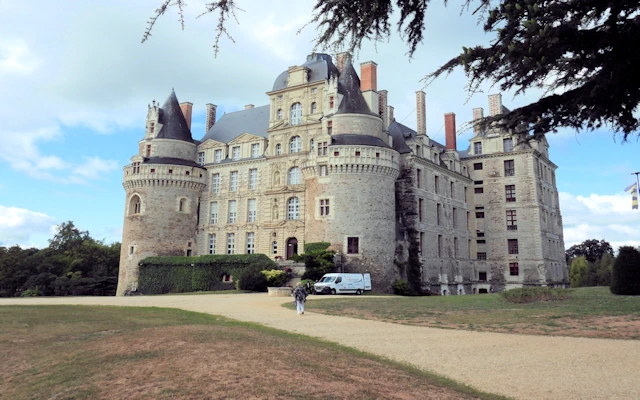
(587, 312)
(81, 352)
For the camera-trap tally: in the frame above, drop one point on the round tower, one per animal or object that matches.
(163, 185)
(351, 186)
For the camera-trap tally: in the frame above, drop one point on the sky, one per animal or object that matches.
(75, 82)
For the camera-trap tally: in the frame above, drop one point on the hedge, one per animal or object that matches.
(316, 246)
(201, 273)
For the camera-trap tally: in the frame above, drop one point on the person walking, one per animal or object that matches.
(300, 297)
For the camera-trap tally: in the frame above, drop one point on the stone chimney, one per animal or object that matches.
(341, 58)
(478, 113)
(368, 76)
(421, 113)
(248, 106)
(211, 116)
(495, 104)
(450, 131)
(382, 107)
(187, 109)
(390, 114)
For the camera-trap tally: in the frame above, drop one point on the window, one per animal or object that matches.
(233, 215)
(511, 220)
(215, 183)
(170, 171)
(418, 150)
(438, 212)
(465, 194)
(201, 158)
(324, 170)
(478, 190)
(189, 252)
(512, 244)
(508, 145)
(481, 256)
(213, 213)
(134, 205)
(481, 241)
(295, 144)
(480, 214)
(251, 244)
(255, 150)
(217, 156)
(509, 168)
(440, 246)
(235, 153)
(152, 127)
(436, 183)
(477, 148)
(353, 245)
(251, 210)
(329, 127)
(253, 179)
(514, 269)
(357, 154)
(330, 101)
(212, 243)
(293, 208)
(454, 223)
(312, 145)
(294, 176)
(274, 247)
(455, 247)
(510, 192)
(278, 149)
(451, 185)
(148, 152)
(324, 207)
(279, 114)
(233, 182)
(279, 97)
(314, 107)
(136, 168)
(182, 205)
(420, 205)
(418, 178)
(336, 153)
(482, 276)
(478, 182)
(153, 170)
(467, 219)
(480, 234)
(421, 243)
(295, 117)
(231, 243)
(322, 148)
(314, 90)
(477, 166)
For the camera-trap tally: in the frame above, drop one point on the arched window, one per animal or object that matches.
(182, 206)
(135, 205)
(278, 149)
(314, 107)
(295, 145)
(293, 208)
(295, 117)
(294, 176)
(279, 114)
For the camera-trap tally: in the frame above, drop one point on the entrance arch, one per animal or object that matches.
(292, 247)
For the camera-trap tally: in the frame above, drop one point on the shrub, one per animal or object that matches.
(254, 281)
(308, 283)
(534, 294)
(275, 277)
(625, 277)
(30, 293)
(402, 288)
(317, 260)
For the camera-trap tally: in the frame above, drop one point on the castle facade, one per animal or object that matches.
(325, 161)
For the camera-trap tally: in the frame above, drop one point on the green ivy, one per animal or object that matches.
(316, 246)
(202, 273)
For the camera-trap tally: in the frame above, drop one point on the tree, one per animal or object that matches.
(578, 272)
(577, 51)
(625, 277)
(591, 249)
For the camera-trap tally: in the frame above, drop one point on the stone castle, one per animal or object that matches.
(325, 161)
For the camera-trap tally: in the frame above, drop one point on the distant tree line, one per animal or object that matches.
(74, 264)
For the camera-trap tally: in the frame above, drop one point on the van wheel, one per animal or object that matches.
(358, 292)
(333, 291)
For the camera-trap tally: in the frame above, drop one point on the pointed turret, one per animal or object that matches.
(174, 124)
(349, 87)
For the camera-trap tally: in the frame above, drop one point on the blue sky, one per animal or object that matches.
(75, 84)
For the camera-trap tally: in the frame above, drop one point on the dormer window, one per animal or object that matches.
(255, 150)
(201, 158)
(295, 117)
(329, 127)
(235, 153)
(152, 127)
(217, 156)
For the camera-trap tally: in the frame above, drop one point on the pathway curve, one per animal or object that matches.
(518, 366)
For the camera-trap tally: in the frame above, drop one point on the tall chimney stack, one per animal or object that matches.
(368, 76)
(421, 112)
(211, 116)
(382, 107)
(390, 114)
(495, 104)
(478, 113)
(187, 109)
(450, 131)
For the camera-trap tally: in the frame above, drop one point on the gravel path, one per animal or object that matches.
(518, 366)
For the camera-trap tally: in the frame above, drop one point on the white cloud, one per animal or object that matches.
(15, 57)
(21, 226)
(94, 167)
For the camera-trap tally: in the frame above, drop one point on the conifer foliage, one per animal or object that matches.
(625, 279)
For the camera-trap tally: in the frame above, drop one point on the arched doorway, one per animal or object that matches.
(292, 247)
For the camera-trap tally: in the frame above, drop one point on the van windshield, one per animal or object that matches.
(327, 279)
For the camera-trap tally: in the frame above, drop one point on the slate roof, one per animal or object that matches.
(353, 139)
(174, 125)
(349, 87)
(321, 68)
(231, 125)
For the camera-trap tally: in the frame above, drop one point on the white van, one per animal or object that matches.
(342, 283)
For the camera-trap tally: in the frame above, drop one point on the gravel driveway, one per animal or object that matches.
(518, 366)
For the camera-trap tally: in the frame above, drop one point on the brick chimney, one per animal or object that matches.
(478, 113)
(382, 107)
(248, 106)
(341, 58)
(450, 131)
(211, 116)
(187, 109)
(495, 104)
(368, 76)
(421, 113)
(390, 114)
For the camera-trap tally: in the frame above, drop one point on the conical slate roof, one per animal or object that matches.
(349, 86)
(174, 125)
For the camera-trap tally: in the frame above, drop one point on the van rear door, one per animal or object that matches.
(367, 281)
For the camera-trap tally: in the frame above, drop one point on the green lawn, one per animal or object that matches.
(589, 312)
